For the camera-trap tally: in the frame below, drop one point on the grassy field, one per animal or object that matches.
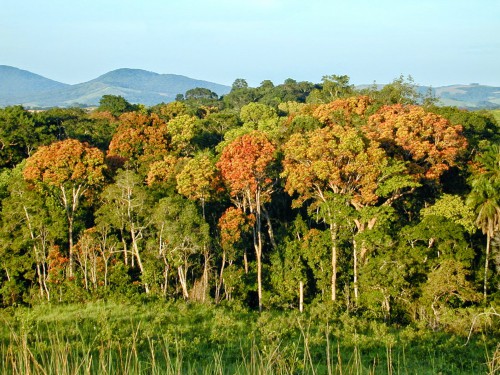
(157, 338)
(496, 113)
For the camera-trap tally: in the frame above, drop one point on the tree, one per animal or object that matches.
(400, 91)
(352, 111)
(20, 134)
(181, 233)
(485, 199)
(126, 207)
(168, 111)
(95, 250)
(116, 105)
(234, 226)
(69, 170)
(28, 230)
(239, 83)
(333, 166)
(140, 139)
(339, 163)
(240, 95)
(182, 130)
(246, 167)
(332, 87)
(428, 142)
(479, 127)
(199, 180)
(446, 282)
(200, 96)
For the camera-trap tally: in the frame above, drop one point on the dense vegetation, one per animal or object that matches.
(375, 212)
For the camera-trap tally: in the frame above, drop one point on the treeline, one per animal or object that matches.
(373, 201)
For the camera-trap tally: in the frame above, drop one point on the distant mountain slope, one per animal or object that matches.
(473, 96)
(135, 85)
(16, 83)
(140, 86)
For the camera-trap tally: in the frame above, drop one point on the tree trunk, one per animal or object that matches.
(221, 278)
(486, 261)
(70, 240)
(258, 246)
(245, 261)
(333, 235)
(301, 296)
(355, 269)
(182, 280)
(135, 249)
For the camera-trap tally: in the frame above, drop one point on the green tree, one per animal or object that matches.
(116, 105)
(126, 206)
(332, 87)
(485, 200)
(181, 233)
(400, 91)
(200, 96)
(20, 135)
(182, 130)
(28, 230)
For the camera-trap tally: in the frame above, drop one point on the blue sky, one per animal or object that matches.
(437, 42)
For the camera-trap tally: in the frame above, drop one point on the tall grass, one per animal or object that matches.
(178, 339)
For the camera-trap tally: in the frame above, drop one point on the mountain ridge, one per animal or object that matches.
(135, 85)
(31, 90)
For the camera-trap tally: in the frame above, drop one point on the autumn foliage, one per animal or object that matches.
(140, 138)
(69, 161)
(427, 141)
(245, 163)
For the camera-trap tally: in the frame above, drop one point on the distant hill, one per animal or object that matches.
(16, 83)
(140, 86)
(137, 86)
(473, 96)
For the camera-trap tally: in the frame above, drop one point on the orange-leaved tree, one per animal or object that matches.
(426, 141)
(246, 167)
(140, 139)
(333, 167)
(234, 225)
(69, 170)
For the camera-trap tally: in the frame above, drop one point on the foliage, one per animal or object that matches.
(116, 105)
(382, 211)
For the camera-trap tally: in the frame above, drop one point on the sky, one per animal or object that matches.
(437, 42)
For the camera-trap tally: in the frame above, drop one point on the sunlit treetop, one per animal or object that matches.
(66, 162)
(427, 141)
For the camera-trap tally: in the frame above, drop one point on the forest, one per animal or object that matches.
(352, 206)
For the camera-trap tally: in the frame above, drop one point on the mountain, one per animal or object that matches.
(473, 96)
(137, 86)
(140, 86)
(17, 83)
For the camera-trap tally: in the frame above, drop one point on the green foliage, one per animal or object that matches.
(332, 87)
(400, 91)
(116, 105)
(480, 127)
(21, 133)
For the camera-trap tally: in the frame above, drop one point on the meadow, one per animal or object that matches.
(189, 338)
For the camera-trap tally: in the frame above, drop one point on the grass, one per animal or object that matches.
(156, 338)
(496, 114)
